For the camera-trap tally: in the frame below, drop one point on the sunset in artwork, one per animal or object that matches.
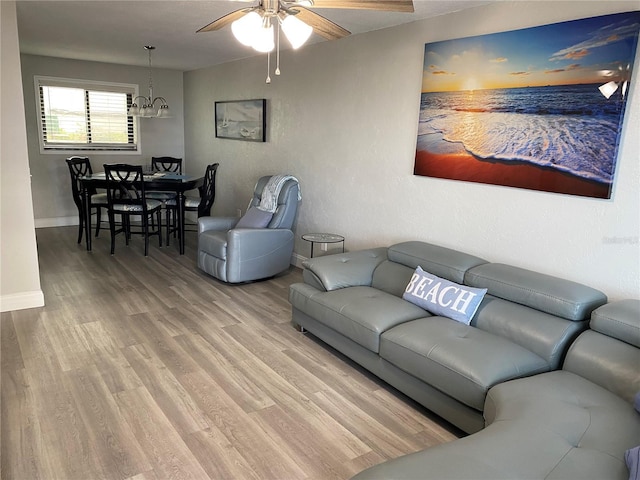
(538, 108)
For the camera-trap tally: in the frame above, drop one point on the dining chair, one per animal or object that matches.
(126, 197)
(166, 165)
(202, 203)
(79, 167)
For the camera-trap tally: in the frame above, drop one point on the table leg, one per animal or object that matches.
(86, 210)
(181, 221)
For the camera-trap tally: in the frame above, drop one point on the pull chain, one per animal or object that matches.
(268, 80)
(277, 72)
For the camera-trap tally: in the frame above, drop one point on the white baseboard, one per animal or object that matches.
(296, 260)
(56, 222)
(21, 301)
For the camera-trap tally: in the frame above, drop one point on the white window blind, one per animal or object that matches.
(83, 115)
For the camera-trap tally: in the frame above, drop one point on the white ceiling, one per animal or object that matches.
(116, 31)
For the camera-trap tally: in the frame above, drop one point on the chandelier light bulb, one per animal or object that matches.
(164, 112)
(296, 31)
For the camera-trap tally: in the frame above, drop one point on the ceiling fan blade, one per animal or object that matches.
(384, 5)
(225, 20)
(322, 26)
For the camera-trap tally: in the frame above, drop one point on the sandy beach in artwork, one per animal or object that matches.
(437, 158)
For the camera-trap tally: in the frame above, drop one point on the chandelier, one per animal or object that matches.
(148, 108)
(256, 30)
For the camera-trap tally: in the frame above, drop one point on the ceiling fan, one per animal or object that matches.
(254, 26)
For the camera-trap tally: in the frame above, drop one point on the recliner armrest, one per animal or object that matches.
(255, 242)
(345, 269)
(216, 223)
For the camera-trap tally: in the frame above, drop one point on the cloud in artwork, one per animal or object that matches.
(573, 66)
(436, 70)
(601, 37)
(499, 60)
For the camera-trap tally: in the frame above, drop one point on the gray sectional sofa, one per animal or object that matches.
(517, 370)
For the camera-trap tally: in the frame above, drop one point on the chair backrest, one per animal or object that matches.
(125, 186)
(208, 190)
(166, 164)
(285, 213)
(78, 167)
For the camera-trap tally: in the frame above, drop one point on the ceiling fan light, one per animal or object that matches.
(296, 31)
(263, 40)
(245, 28)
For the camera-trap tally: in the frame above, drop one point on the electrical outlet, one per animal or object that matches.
(323, 247)
(238, 213)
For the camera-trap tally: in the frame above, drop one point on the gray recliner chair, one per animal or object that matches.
(237, 250)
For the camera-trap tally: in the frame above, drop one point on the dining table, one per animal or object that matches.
(156, 181)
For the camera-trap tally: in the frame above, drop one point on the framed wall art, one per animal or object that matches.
(539, 108)
(241, 119)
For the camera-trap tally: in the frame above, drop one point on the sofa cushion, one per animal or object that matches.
(442, 297)
(548, 336)
(459, 360)
(254, 218)
(618, 320)
(550, 426)
(596, 425)
(361, 314)
(441, 261)
(607, 362)
(553, 295)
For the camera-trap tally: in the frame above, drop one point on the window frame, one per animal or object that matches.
(86, 85)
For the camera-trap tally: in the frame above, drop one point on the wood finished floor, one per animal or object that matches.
(145, 368)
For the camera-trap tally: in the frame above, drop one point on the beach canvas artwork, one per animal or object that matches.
(539, 108)
(241, 119)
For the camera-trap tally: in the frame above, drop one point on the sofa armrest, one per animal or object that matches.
(216, 223)
(344, 269)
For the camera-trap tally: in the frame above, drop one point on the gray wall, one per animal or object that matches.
(342, 117)
(19, 277)
(52, 202)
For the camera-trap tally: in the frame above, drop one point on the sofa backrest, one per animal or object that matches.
(393, 275)
(608, 354)
(542, 313)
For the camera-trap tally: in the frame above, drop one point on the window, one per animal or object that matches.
(83, 115)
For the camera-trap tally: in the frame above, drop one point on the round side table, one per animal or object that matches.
(323, 238)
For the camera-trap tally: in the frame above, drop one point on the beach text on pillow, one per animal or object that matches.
(442, 297)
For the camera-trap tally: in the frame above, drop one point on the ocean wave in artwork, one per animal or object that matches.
(582, 142)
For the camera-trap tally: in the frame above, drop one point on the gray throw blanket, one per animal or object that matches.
(269, 200)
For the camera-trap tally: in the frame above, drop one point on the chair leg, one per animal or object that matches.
(98, 219)
(145, 231)
(168, 220)
(80, 227)
(159, 215)
(112, 229)
(126, 220)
